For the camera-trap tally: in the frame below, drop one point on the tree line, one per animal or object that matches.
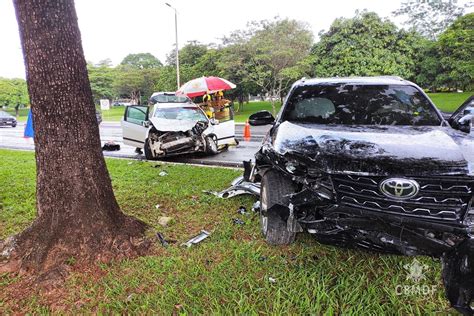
(267, 56)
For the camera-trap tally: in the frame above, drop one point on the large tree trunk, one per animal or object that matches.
(78, 216)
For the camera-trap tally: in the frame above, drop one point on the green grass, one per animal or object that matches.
(449, 102)
(226, 274)
(249, 108)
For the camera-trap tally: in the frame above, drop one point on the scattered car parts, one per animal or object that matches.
(197, 239)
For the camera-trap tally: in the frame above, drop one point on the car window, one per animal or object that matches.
(360, 105)
(169, 98)
(136, 115)
(181, 113)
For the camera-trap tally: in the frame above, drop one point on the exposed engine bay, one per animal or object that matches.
(170, 143)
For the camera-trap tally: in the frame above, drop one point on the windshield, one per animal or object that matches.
(181, 113)
(360, 105)
(169, 98)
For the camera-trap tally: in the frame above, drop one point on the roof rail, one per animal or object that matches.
(392, 77)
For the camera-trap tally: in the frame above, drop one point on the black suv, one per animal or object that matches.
(372, 163)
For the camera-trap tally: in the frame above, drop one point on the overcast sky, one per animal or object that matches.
(115, 28)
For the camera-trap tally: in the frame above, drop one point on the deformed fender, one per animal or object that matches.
(458, 276)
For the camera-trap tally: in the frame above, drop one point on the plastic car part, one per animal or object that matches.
(197, 239)
(238, 187)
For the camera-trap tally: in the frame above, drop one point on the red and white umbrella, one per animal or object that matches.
(203, 85)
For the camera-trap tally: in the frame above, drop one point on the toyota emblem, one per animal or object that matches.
(399, 188)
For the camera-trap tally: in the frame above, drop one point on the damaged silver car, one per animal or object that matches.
(371, 163)
(173, 125)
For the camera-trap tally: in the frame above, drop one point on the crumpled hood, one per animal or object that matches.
(377, 150)
(167, 125)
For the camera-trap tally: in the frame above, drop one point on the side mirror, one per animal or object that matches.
(146, 123)
(213, 121)
(261, 118)
(465, 123)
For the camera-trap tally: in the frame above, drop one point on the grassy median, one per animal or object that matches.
(231, 272)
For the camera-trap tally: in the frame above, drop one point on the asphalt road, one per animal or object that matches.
(111, 131)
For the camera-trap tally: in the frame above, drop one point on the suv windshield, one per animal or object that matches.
(169, 98)
(181, 113)
(360, 105)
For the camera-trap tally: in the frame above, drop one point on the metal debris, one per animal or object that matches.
(238, 187)
(162, 240)
(242, 210)
(197, 239)
(256, 207)
(238, 221)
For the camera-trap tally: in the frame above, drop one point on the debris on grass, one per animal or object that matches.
(157, 206)
(238, 221)
(271, 280)
(163, 173)
(238, 187)
(164, 220)
(162, 240)
(197, 239)
(242, 210)
(256, 207)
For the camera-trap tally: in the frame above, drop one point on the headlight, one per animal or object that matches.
(295, 168)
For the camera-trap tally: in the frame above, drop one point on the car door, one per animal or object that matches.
(134, 130)
(466, 109)
(225, 129)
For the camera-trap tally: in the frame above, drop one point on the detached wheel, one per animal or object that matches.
(211, 145)
(273, 190)
(147, 150)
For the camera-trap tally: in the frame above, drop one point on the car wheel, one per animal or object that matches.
(147, 150)
(13, 125)
(274, 187)
(211, 145)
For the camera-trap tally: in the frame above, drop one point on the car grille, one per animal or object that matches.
(442, 198)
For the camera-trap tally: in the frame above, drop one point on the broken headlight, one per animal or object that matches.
(295, 168)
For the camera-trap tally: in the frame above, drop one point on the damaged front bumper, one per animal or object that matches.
(341, 210)
(171, 143)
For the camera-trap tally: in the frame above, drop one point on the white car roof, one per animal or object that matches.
(174, 105)
(162, 92)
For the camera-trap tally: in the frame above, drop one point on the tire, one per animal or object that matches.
(147, 150)
(211, 145)
(273, 190)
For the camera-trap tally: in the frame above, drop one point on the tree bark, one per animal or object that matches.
(77, 213)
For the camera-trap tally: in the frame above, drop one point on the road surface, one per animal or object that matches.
(111, 131)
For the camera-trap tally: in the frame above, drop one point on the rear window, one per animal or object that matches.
(360, 105)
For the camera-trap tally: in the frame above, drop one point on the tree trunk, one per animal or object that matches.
(77, 214)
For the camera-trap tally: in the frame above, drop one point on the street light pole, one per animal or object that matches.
(176, 35)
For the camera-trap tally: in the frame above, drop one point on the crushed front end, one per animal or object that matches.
(350, 209)
(172, 143)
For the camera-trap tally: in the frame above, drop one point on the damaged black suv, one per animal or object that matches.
(372, 163)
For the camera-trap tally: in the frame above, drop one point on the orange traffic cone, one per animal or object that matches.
(247, 135)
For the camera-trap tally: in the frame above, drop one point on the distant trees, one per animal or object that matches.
(456, 49)
(429, 17)
(365, 45)
(267, 56)
(141, 61)
(13, 92)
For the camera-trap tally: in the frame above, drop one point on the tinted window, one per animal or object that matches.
(360, 105)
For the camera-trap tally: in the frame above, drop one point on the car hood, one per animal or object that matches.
(167, 125)
(376, 150)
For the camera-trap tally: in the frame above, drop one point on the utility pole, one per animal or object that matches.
(176, 35)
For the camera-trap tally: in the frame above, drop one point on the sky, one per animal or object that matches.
(115, 28)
